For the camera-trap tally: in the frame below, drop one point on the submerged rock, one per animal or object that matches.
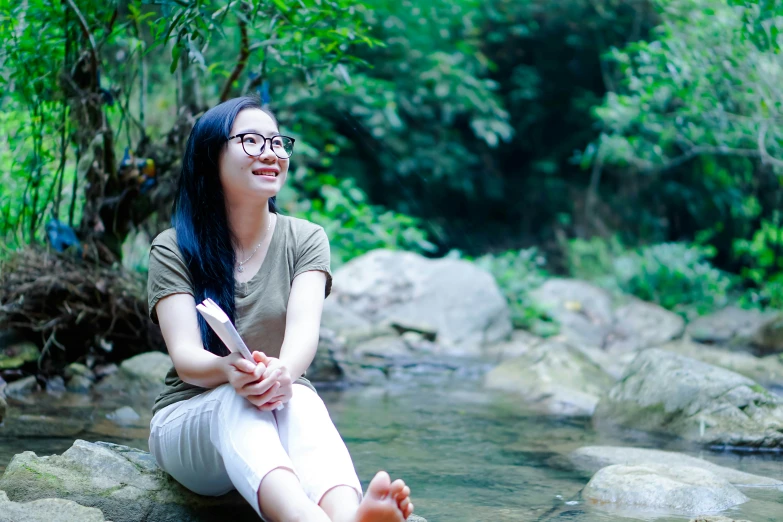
(457, 301)
(593, 458)
(680, 489)
(666, 392)
(47, 510)
(554, 378)
(124, 483)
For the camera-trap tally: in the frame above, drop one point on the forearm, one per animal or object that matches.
(298, 352)
(201, 368)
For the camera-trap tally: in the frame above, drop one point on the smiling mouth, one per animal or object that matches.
(265, 172)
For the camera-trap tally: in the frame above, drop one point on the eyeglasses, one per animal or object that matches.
(255, 144)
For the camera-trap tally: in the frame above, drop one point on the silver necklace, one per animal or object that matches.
(241, 268)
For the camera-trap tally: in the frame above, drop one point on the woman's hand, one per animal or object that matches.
(284, 391)
(249, 380)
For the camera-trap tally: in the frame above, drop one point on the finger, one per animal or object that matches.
(261, 387)
(243, 365)
(260, 357)
(270, 406)
(259, 371)
(263, 398)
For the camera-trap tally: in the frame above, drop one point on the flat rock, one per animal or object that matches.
(47, 510)
(593, 458)
(457, 300)
(658, 487)
(552, 377)
(666, 392)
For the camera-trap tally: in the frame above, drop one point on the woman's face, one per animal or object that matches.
(244, 177)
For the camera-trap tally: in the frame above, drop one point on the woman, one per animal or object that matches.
(223, 422)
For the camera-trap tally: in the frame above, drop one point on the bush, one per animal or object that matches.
(676, 276)
(762, 265)
(517, 273)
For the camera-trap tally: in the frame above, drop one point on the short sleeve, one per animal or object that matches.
(167, 275)
(313, 254)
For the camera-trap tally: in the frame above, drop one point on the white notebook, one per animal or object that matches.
(218, 320)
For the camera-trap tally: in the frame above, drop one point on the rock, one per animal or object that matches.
(47, 510)
(76, 369)
(715, 518)
(767, 371)
(23, 386)
(124, 416)
(554, 378)
(639, 325)
(730, 325)
(680, 489)
(3, 409)
(18, 354)
(666, 392)
(29, 425)
(613, 364)
(124, 483)
(55, 384)
(339, 318)
(593, 458)
(583, 311)
(79, 384)
(454, 298)
(520, 343)
(768, 338)
(142, 374)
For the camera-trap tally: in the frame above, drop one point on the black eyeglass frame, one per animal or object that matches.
(263, 147)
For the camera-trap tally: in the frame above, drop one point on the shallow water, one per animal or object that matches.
(468, 454)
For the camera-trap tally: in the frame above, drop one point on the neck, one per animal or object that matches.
(249, 222)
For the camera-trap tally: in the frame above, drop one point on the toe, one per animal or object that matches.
(396, 487)
(380, 485)
(405, 493)
(408, 511)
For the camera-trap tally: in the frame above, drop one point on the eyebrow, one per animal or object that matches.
(254, 131)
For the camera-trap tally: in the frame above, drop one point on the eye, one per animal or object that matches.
(277, 142)
(249, 139)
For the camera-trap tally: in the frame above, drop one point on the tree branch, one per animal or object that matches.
(765, 157)
(244, 54)
(87, 33)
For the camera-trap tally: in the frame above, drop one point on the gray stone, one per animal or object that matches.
(76, 369)
(124, 416)
(459, 301)
(47, 510)
(554, 378)
(79, 384)
(767, 371)
(639, 325)
(583, 311)
(22, 386)
(715, 518)
(666, 392)
(768, 338)
(3, 409)
(593, 458)
(142, 374)
(680, 489)
(124, 483)
(730, 325)
(55, 384)
(520, 343)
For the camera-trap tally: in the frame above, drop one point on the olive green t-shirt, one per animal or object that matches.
(296, 246)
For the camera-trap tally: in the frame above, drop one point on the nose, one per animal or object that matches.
(268, 155)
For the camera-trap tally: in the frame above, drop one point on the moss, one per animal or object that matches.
(53, 479)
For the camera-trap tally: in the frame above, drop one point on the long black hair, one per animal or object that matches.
(200, 215)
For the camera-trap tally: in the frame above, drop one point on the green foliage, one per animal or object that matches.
(517, 272)
(354, 226)
(676, 276)
(762, 264)
(593, 260)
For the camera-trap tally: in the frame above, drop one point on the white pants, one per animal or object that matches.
(218, 441)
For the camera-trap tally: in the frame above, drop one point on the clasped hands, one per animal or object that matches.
(266, 384)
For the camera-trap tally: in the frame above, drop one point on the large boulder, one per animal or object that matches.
(142, 374)
(588, 317)
(769, 336)
(728, 326)
(666, 392)
(124, 483)
(554, 378)
(660, 487)
(457, 300)
(767, 371)
(593, 458)
(47, 510)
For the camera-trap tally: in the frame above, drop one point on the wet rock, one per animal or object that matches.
(142, 374)
(47, 510)
(583, 311)
(680, 489)
(666, 392)
(124, 483)
(593, 458)
(454, 298)
(29, 425)
(124, 416)
(768, 339)
(767, 371)
(639, 325)
(79, 384)
(76, 369)
(55, 384)
(554, 378)
(3, 409)
(18, 354)
(729, 326)
(520, 343)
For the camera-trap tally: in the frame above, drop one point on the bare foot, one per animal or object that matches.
(385, 501)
